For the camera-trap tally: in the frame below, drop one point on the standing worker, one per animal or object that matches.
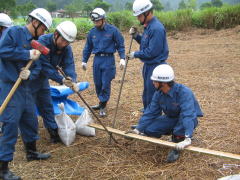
(15, 53)
(153, 45)
(60, 55)
(180, 109)
(5, 22)
(103, 40)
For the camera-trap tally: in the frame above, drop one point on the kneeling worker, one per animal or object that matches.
(180, 109)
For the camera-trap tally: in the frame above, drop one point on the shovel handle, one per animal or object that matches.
(12, 91)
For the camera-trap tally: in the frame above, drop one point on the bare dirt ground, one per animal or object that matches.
(207, 61)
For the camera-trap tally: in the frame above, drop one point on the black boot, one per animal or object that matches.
(32, 154)
(5, 174)
(174, 154)
(102, 111)
(54, 136)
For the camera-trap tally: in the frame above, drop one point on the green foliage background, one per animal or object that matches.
(216, 18)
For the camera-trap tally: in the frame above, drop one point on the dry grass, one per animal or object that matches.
(208, 61)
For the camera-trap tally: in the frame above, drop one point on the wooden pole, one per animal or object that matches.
(166, 143)
(12, 91)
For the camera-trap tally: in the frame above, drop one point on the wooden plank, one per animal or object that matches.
(166, 143)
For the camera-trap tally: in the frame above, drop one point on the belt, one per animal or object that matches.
(104, 54)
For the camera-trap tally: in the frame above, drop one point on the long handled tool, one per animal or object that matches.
(110, 134)
(43, 50)
(121, 86)
(166, 143)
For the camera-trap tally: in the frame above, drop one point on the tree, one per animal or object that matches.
(71, 9)
(51, 6)
(101, 4)
(206, 5)
(7, 5)
(25, 9)
(182, 5)
(216, 3)
(191, 4)
(157, 5)
(128, 6)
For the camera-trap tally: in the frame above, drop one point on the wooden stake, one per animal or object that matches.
(166, 143)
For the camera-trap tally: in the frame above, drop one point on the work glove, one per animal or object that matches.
(133, 131)
(75, 87)
(34, 54)
(130, 55)
(84, 66)
(181, 145)
(122, 63)
(133, 31)
(67, 82)
(24, 74)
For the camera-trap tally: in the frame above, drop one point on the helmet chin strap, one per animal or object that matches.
(35, 30)
(58, 50)
(145, 17)
(160, 86)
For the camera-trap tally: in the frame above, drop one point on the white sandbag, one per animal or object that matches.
(66, 127)
(82, 122)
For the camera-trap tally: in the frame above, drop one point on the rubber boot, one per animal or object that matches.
(32, 154)
(174, 154)
(54, 136)
(5, 173)
(102, 111)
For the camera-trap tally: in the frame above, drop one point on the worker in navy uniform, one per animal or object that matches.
(153, 45)
(60, 55)
(15, 53)
(103, 40)
(173, 110)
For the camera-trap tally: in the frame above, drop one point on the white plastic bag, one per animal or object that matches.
(82, 123)
(66, 127)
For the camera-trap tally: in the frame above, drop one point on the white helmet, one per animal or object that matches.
(67, 30)
(97, 14)
(163, 73)
(141, 6)
(5, 20)
(43, 16)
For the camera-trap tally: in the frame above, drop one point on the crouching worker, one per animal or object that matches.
(180, 109)
(15, 53)
(60, 55)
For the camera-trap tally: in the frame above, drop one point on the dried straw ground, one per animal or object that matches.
(208, 61)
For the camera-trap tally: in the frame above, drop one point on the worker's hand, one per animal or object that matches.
(75, 87)
(133, 31)
(84, 66)
(67, 82)
(133, 131)
(130, 55)
(24, 74)
(181, 145)
(122, 63)
(34, 54)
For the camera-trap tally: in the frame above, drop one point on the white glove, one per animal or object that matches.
(122, 63)
(133, 31)
(84, 66)
(130, 55)
(75, 87)
(181, 145)
(24, 74)
(34, 54)
(67, 82)
(133, 131)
